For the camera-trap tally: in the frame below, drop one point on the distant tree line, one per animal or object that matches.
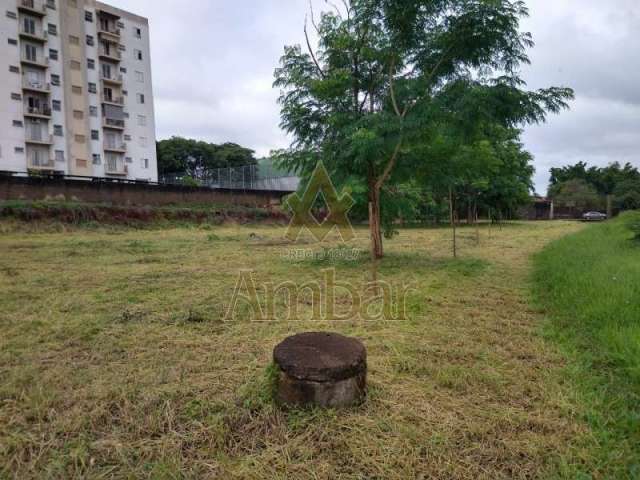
(195, 160)
(615, 187)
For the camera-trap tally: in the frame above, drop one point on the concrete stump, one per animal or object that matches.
(321, 369)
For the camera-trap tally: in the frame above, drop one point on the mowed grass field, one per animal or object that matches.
(115, 361)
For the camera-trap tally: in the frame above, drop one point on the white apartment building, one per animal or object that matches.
(76, 89)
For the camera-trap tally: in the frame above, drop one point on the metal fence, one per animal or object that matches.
(249, 177)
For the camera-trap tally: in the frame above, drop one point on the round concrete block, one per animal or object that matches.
(321, 369)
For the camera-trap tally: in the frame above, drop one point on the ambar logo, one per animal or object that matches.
(338, 207)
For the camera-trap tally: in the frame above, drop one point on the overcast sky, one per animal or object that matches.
(213, 63)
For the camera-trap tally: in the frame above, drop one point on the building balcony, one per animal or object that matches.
(42, 62)
(44, 111)
(45, 164)
(39, 139)
(112, 54)
(112, 123)
(112, 167)
(41, 37)
(119, 101)
(33, 7)
(115, 147)
(113, 79)
(108, 32)
(35, 86)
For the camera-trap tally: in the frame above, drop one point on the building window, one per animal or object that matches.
(78, 114)
(11, 14)
(137, 32)
(95, 135)
(59, 155)
(93, 111)
(145, 163)
(93, 88)
(53, 54)
(56, 105)
(90, 41)
(138, 54)
(81, 163)
(73, 40)
(123, 70)
(13, 41)
(142, 120)
(128, 160)
(125, 93)
(120, 24)
(96, 159)
(88, 16)
(18, 150)
(14, 69)
(51, 4)
(91, 64)
(57, 130)
(76, 90)
(79, 138)
(16, 96)
(52, 29)
(122, 48)
(127, 138)
(55, 80)
(140, 77)
(18, 123)
(74, 65)
(31, 52)
(140, 98)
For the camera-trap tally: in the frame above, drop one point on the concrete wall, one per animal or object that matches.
(33, 188)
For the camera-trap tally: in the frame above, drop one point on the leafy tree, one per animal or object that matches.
(197, 159)
(386, 75)
(578, 194)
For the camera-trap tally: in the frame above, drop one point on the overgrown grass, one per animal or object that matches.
(590, 284)
(115, 361)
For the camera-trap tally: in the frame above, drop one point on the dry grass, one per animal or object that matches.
(115, 362)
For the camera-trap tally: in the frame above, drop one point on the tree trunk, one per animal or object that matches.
(374, 221)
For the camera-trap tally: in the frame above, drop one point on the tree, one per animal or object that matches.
(197, 159)
(578, 194)
(386, 73)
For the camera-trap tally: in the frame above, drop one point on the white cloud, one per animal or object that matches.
(213, 63)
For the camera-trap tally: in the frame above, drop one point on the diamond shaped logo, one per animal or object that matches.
(338, 206)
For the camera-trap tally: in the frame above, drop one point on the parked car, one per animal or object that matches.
(594, 217)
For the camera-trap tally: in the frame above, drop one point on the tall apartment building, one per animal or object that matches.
(77, 97)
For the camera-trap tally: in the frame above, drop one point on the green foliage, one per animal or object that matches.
(622, 182)
(195, 159)
(589, 284)
(577, 194)
(391, 82)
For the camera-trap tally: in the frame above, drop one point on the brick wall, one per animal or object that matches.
(33, 188)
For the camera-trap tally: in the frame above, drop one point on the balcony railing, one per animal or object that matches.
(114, 100)
(42, 111)
(111, 54)
(39, 61)
(115, 147)
(45, 163)
(38, 85)
(112, 123)
(112, 78)
(108, 29)
(39, 138)
(35, 7)
(115, 167)
(41, 36)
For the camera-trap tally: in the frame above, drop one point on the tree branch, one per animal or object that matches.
(392, 163)
(393, 93)
(315, 60)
